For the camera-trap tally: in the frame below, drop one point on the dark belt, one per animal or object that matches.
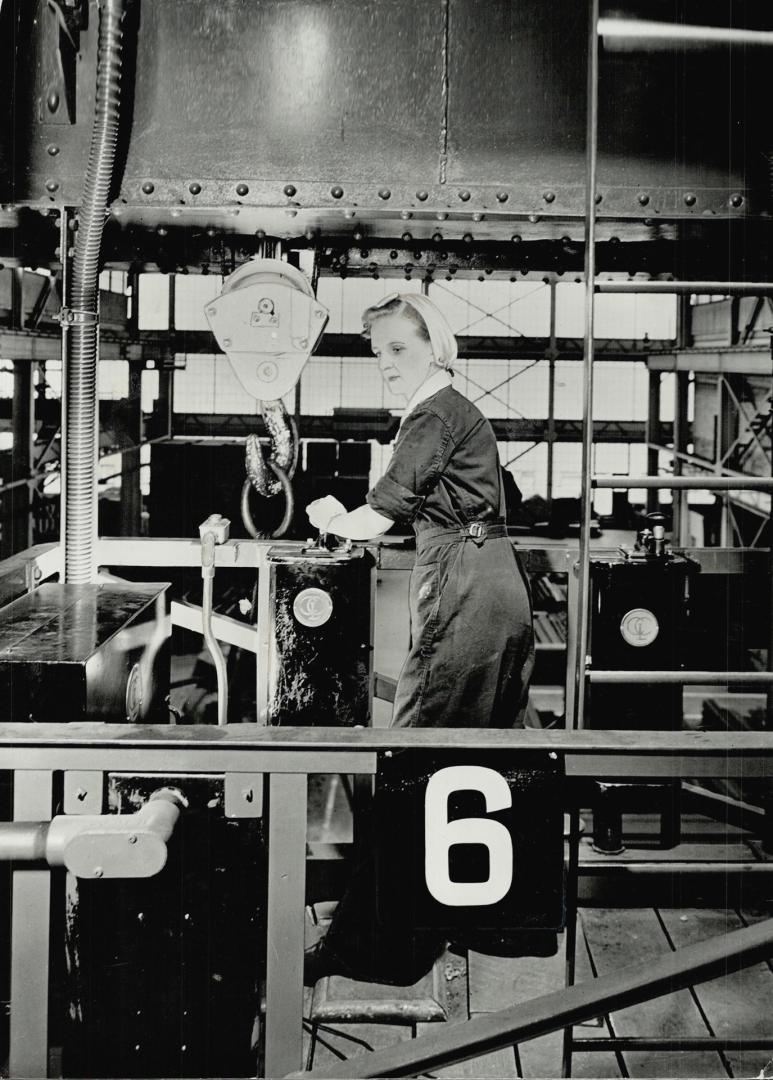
(477, 531)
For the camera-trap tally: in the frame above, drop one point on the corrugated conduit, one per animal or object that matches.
(81, 403)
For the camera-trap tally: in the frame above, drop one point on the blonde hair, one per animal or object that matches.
(426, 317)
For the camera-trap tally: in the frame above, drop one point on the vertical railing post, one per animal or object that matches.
(583, 570)
(286, 905)
(30, 933)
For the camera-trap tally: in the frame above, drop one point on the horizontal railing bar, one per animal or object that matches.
(563, 1008)
(704, 288)
(697, 483)
(205, 739)
(705, 1042)
(618, 868)
(712, 678)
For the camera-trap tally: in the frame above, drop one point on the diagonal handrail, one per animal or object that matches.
(563, 1008)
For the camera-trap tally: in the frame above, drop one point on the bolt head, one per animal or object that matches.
(464, 196)
(644, 199)
(132, 839)
(337, 191)
(98, 872)
(549, 196)
(242, 189)
(690, 199)
(52, 186)
(226, 343)
(148, 188)
(52, 149)
(194, 188)
(290, 190)
(422, 196)
(502, 196)
(736, 200)
(384, 193)
(52, 101)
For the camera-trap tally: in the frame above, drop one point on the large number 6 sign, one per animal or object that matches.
(441, 834)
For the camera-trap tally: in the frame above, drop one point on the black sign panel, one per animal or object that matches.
(473, 846)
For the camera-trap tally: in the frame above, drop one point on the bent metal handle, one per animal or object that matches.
(98, 845)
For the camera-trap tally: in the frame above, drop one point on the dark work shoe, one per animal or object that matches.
(319, 961)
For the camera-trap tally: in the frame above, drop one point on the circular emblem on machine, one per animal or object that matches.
(134, 695)
(639, 627)
(312, 607)
(267, 371)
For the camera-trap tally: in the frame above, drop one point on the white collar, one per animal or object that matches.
(438, 380)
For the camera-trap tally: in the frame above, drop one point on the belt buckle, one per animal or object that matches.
(477, 530)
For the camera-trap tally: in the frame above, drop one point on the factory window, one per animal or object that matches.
(505, 388)
(207, 384)
(617, 315)
(192, 292)
(528, 462)
(153, 298)
(113, 281)
(618, 459)
(619, 390)
(347, 299)
(329, 383)
(494, 308)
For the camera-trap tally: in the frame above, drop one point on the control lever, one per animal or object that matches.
(98, 845)
(213, 531)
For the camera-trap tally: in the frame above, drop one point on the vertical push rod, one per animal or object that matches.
(583, 569)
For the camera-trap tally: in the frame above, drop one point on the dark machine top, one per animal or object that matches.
(69, 623)
(442, 122)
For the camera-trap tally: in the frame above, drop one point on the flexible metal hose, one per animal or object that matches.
(81, 419)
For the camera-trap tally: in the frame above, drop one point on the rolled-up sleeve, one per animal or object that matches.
(421, 452)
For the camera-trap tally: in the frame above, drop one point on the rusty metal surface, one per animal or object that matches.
(291, 116)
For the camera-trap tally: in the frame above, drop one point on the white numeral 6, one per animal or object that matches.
(441, 834)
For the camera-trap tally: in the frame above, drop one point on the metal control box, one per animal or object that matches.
(86, 652)
(320, 659)
(640, 614)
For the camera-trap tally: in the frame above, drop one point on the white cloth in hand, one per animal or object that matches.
(322, 510)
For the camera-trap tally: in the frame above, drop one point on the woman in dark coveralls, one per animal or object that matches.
(471, 652)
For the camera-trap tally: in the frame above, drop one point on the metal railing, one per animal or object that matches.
(286, 756)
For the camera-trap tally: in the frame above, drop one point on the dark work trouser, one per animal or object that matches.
(469, 665)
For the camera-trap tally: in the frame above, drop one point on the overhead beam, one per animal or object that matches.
(155, 347)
